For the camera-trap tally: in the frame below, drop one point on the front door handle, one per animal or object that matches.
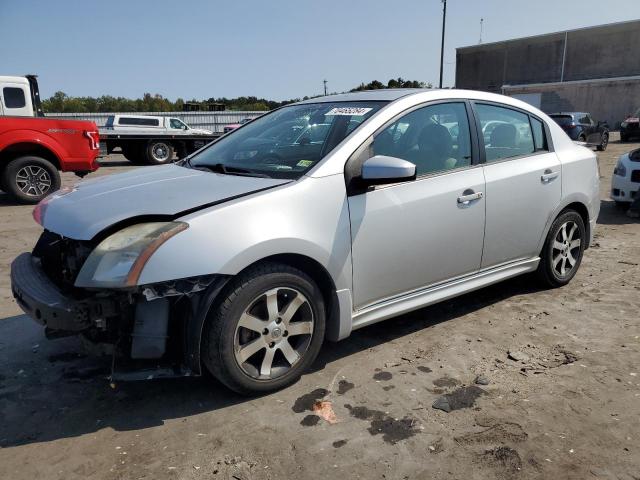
(466, 198)
(548, 175)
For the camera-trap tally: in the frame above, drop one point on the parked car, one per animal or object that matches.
(625, 181)
(581, 127)
(242, 264)
(233, 126)
(34, 148)
(630, 127)
(152, 140)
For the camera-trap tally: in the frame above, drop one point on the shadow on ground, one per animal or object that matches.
(49, 391)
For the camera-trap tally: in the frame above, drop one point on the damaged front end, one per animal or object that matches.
(152, 330)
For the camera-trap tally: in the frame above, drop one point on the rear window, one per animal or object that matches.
(562, 120)
(13, 97)
(147, 122)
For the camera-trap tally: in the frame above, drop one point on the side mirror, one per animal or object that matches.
(381, 169)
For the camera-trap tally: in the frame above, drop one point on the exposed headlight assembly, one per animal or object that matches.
(119, 259)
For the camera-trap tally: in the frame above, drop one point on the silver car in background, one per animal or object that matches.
(305, 224)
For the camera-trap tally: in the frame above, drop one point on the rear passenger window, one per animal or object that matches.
(539, 138)
(13, 97)
(506, 133)
(434, 138)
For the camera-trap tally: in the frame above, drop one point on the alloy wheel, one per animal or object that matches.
(273, 333)
(33, 180)
(566, 249)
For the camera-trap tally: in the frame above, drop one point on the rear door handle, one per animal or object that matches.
(548, 175)
(469, 197)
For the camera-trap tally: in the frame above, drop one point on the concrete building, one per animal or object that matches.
(594, 69)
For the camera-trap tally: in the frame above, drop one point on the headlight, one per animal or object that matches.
(119, 259)
(624, 124)
(620, 169)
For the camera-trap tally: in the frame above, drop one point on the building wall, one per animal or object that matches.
(611, 101)
(598, 52)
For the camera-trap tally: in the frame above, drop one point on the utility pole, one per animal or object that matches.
(444, 20)
(481, 25)
(325, 86)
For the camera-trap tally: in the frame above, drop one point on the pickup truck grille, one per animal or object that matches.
(61, 258)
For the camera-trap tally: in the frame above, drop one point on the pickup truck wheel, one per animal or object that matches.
(159, 152)
(30, 179)
(562, 252)
(266, 330)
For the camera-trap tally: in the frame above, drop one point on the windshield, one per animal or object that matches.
(287, 142)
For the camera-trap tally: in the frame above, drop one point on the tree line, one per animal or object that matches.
(60, 102)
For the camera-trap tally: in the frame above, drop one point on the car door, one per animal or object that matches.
(523, 184)
(410, 235)
(594, 131)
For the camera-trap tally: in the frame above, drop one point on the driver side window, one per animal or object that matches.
(434, 138)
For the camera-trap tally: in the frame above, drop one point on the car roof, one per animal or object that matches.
(382, 94)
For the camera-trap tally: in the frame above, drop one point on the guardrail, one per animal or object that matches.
(214, 121)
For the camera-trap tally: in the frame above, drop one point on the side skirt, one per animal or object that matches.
(422, 298)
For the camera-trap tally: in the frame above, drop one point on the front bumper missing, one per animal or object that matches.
(43, 301)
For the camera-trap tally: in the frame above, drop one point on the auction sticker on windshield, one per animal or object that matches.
(350, 111)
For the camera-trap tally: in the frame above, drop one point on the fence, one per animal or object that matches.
(214, 121)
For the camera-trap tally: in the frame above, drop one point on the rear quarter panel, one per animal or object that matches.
(65, 139)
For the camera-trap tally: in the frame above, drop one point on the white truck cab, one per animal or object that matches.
(19, 96)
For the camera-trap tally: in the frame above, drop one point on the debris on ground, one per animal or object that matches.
(324, 409)
(481, 380)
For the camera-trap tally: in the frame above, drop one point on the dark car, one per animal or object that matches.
(580, 126)
(630, 127)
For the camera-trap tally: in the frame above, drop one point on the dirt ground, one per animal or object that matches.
(562, 399)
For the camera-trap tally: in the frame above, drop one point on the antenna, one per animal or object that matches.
(481, 27)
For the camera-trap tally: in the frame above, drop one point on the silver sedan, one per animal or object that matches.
(305, 224)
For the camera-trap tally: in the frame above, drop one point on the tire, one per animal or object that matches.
(159, 152)
(135, 154)
(582, 138)
(603, 143)
(29, 179)
(558, 253)
(229, 330)
(624, 138)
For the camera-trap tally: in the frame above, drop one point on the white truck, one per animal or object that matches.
(146, 139)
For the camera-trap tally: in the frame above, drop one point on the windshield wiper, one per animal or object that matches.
(226, 170)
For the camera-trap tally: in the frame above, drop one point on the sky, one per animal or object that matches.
(277, 49)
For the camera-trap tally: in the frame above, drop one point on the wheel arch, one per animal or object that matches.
(21, 149)
(571, 204)
(306, 264)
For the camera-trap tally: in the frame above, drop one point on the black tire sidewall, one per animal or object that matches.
(218, 347)
(548, 273)
(11, 171)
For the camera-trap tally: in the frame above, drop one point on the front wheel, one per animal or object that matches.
(266, 331)
(563, 249)
(604, 142)
(30, 179)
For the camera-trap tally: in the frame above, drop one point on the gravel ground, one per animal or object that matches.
(558, 394)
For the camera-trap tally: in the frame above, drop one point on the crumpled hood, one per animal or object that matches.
(96, 204)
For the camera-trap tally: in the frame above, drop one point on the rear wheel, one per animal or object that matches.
(582, 138)
(159, 152)
(604, 142)
(562, 252)
(266, 331)
(30, 179)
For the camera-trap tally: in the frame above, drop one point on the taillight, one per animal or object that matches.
(94, 139)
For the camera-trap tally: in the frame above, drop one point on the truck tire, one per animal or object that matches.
(29, 179)
(135, 154)
(159, 152)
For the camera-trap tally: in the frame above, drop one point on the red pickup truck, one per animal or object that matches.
(34, 148)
